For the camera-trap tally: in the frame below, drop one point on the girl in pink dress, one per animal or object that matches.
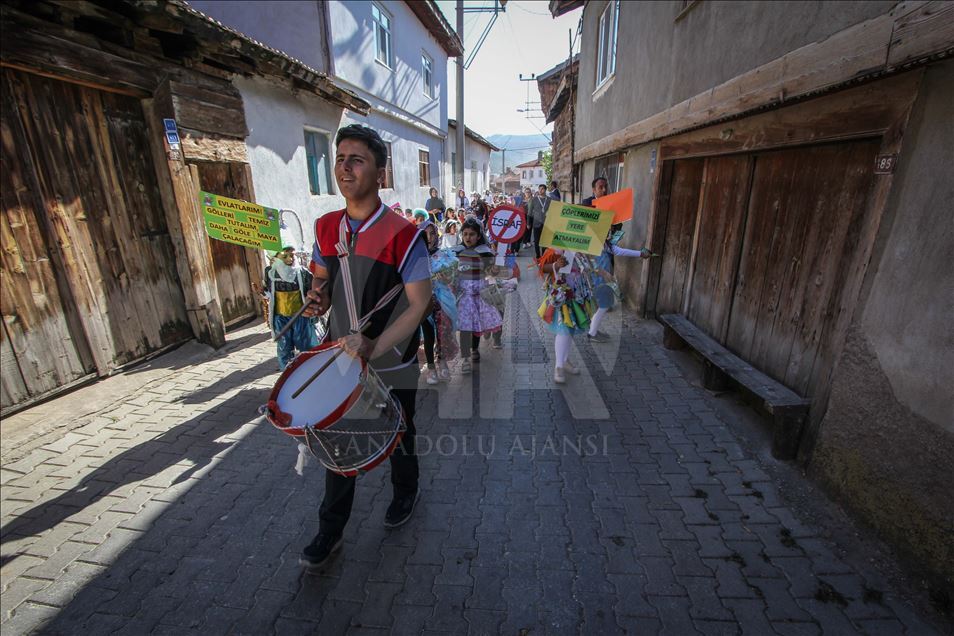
(475, 316)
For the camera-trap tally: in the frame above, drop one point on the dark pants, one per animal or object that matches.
(339, 490)
(468, 342)
(537, 232)
(430, 337)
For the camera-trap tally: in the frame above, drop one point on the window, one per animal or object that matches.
(382, 34)
(523, 175)
(427, 74)
(319, 166)
(424, 160)
(606, 57)
(388, 171)
(611, 168)
(473, 176)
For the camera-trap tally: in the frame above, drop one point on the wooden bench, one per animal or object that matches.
(721, 367)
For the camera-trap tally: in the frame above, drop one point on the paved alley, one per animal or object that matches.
(618, 503)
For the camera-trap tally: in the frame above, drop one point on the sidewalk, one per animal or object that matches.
(622, 501)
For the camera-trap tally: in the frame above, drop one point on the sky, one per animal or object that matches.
(524, 39)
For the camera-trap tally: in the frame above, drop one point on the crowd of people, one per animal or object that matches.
(432, 278)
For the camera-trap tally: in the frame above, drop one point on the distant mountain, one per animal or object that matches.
(520, 149)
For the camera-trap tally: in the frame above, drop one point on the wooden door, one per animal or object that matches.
(42, 346)
(684, 191)
(231, 261)
(725, 197)
(85, 158)
(801, 239)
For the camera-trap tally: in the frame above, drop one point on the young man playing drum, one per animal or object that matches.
(377, 251)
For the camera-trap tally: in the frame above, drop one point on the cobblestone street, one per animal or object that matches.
(621, 502)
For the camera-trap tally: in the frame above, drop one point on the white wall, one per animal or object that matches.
(535, 177)
(401, 87)
(473, 151)
(276, 145)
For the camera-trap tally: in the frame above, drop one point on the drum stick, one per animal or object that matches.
(322, 368)
(296, 315)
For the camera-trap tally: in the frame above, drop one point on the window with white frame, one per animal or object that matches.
(427, 74)
(319, 165)
(606, 50)
(382, 35)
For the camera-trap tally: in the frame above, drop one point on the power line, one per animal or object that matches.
(547, 14)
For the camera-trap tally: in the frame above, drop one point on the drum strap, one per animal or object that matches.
(344, 251)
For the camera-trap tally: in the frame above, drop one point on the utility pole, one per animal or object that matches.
(499, 6)
(459, 164)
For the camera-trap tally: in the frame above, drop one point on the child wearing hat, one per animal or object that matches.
(287, 282)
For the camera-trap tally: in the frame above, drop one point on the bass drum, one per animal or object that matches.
(345, 416)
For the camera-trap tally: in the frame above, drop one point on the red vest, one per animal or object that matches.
(377, 253)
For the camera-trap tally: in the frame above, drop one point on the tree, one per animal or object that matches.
(547, 161)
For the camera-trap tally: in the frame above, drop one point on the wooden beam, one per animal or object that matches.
(52, 56)
(198, 146)
(209, 111)
(867, 110)
(186, 227)
(912, 32)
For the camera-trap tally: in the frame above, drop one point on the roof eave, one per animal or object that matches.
(282, 64)
(561, 7)
(431, 17)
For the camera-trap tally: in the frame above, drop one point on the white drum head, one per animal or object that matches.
(326, 394)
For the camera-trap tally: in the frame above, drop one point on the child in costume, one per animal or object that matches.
(443, 320)
(286, 283)
(475, 315)
(604, 282)
(567, 306)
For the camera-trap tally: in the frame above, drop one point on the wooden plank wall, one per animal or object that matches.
(677, 248)
(776, 231)
(41, 346)
(90, 157)
(230, 261)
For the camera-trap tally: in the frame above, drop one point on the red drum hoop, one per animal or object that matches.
(349, 402)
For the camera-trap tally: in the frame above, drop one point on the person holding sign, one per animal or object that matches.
(287, 283)
(604, 283)
(567, 307)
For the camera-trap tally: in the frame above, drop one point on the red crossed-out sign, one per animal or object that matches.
(506, 223)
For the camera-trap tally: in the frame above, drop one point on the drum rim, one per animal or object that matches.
(331, 418)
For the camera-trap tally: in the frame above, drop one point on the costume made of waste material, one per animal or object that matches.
(568, 302)
(444, 270)
(475, 314)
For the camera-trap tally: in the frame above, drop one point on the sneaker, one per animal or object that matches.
(319, 551)
(443, 373)
(569, 368)
(558, 375)
(465, 367)
(432, 376)
(475, 356)
(400, 510)
(599, 337)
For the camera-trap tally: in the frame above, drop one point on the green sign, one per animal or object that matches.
(241, 222)
(576, 228)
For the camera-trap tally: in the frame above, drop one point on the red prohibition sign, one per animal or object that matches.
(506, 223)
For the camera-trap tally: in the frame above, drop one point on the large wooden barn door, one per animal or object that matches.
(762, 266)
(802, 237)
(88, 181)
(231, 261)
